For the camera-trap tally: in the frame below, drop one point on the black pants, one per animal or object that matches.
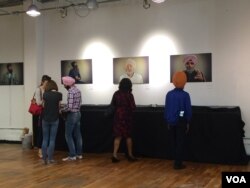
(39, 132)
(178, 134)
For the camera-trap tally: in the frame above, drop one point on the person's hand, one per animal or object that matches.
(199, 75)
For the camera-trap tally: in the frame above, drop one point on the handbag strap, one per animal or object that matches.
(33, 98)
(41, 94)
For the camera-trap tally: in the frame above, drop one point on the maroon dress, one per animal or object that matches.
(123, 118)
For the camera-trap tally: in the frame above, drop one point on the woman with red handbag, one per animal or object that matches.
(37, 119)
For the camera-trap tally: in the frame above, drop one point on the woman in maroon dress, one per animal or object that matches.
(124, 103)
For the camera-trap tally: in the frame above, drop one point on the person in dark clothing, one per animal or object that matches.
(10, 77)
(124, 103)
(75, 73)
(50, 120)
(177, 114)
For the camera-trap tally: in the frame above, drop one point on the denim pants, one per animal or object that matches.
(49, 138)
(73, 133)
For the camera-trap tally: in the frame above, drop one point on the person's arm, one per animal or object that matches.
(38, 96)
(70, 102)
(188, 108)
(199, 76)
(188, 111)
(132, 102)
(15, 80)
(167, 110)
(78, 76)
(140, 78)
(60, 103)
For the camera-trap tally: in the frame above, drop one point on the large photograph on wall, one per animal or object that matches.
(11, 74)
(198, 67)
(134, 68)
(80, 70)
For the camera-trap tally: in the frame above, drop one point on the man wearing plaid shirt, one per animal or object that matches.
(72, 122)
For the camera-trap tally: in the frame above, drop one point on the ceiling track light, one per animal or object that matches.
(33, 11)
(92, 4)
(63, 12)
(158, 1)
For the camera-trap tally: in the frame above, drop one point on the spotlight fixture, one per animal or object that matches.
(92, 4)
(33, 10)
(63, 12)
(158, 1)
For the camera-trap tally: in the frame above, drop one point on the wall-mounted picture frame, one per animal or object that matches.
(80, 70)
(134, 68)
(198, 67)
(11, 73)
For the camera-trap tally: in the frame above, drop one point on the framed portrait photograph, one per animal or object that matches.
(11, 73)
(80, 70)
(134, 68)
(198, 67)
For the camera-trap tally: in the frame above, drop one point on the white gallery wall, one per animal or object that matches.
(123, 29)
(12, 97)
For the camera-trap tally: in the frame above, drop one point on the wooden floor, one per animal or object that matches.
(22, 168)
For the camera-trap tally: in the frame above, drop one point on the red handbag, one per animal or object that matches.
(34, 108)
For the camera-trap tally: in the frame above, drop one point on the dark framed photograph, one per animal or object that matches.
(11, 73)
(134, 68)
(80, 70)
(198, 67)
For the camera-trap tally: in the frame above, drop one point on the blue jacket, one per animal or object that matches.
(177, 104)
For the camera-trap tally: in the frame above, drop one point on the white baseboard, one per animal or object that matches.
(11, 134)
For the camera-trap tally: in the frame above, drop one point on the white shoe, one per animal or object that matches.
(79, 156)
(69, 159)
(40, 155)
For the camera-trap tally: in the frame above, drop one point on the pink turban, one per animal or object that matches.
(68, 81)
(190, 57)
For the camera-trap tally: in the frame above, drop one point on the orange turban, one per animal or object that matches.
(179, 79)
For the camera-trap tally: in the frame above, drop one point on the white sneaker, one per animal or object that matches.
(69, 159)
(79, 156)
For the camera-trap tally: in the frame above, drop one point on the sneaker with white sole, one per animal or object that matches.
(79, 156)
(69, 159)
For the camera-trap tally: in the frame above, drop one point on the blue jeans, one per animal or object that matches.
(73, 133)
(49, 138)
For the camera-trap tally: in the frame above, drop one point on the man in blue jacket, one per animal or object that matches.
(177, 114)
